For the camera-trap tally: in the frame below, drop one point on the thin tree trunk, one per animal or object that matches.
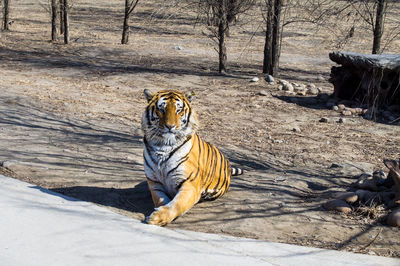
(276, 35)
(222, 26)
(61, 16)
(378, 29)
(66, 25)
(53, 20)
(267, 63)
(6, 14)
(125, 28)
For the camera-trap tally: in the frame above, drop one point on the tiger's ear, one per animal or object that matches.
(148, 95)
(190, 96)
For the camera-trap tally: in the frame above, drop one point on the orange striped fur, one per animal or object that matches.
(180, 167)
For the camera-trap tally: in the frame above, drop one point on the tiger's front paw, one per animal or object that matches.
(161, 216)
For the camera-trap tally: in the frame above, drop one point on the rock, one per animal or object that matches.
(311, 85)
(178, 48)
(302, 93)
(341, 120)
(347, 113)
(352, 80)
(357, 111)
(324, 120)
(9, 164)
(341, 107)
(335, 108)
(349, 197)
(280, 87)
(312, 91)
(283, 82)
(394, 218)
(288, 87)
(263, 93)
(296, 129)
(336, 165)
(320, 78)
(269, 79)
(337, 205)
(255, 79)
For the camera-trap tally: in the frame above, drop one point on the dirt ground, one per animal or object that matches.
(70, 122)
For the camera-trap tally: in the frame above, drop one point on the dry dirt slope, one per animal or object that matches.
(70, 119)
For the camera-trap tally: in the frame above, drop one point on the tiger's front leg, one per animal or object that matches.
(157, 193)
(186, 197)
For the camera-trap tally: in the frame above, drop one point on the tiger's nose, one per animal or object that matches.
(170, 127)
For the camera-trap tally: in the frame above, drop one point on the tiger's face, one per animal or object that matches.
(168, 117)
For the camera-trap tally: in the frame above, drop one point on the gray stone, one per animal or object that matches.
(296, 129)
(394, 218)
(335, 108)
(263, 93)
(288, 87)
(341, 120)
(347, 113)
(255, 79)
(301, 92)
(269, 79)
(324, 120)
(283, 82)
(10, 163)
(336, 165)
(312, 91)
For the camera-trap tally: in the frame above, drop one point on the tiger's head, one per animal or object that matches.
(168, 118)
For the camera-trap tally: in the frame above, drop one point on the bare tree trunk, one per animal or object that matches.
(125, 27)
(378, 28)
(6, 14)
(66, 24)
(276, 35)
(61, 16)
(53, 20)
(272, 37)
(222, 27)
(267, 63)
(130, 5)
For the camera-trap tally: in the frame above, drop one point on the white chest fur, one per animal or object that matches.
(164, 164)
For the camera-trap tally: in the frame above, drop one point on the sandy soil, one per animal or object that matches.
(70, 121)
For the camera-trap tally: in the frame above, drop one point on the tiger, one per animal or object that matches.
(181, 169)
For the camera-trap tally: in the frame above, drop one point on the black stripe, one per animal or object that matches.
(180, 146)
(146, 146)
(220, 170)
(148, 116)
(181, 162)
(213, 167)
(146, 163)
